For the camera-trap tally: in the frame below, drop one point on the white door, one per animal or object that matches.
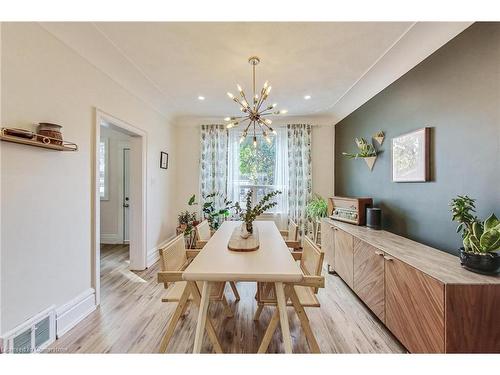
(126, 195)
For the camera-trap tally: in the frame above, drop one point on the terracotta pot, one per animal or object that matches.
(46, 129)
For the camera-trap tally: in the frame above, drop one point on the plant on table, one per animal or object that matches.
(249, 215)
(479, 238)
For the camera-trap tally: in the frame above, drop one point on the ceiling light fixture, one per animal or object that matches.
(307, 97)
(256, 112)
(201, 97)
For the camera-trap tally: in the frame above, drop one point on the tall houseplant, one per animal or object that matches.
(481, 239)
(249, 215)
(316, 209)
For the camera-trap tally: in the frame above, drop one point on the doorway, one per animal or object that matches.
(119, 196)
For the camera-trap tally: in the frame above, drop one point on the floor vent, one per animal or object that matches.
(32, 336)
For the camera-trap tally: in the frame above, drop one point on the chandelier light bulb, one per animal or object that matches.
(239, 88)
(268, 140)
(245, 103)
(231, 96)
(283, 111)
(273, 131)
(254, 141)
(227, 118)
(268, 121)
(242, 138)
(266, 84)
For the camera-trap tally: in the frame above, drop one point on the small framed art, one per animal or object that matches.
(411, 156)
(163, 160)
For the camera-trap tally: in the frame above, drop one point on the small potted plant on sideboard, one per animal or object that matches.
(481, 239)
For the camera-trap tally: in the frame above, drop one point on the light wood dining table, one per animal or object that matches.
(272, 262)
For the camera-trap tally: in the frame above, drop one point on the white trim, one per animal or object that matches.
(154, 254)
(111, 238)
(74, 311)
(138, 230)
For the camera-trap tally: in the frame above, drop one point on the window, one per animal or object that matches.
(104, 169)
(259, 169)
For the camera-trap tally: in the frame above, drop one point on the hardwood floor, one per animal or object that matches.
(132, 318)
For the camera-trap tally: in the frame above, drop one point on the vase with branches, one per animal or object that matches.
(249, 214)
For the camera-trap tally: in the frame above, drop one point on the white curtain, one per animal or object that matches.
(299, 173)
(281, 175)
(213, 162)
(233, 166)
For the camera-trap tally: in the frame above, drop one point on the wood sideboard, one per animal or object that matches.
(422, 295)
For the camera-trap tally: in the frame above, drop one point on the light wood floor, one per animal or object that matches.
(132, 318)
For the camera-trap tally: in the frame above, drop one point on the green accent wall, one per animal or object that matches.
(456, 92)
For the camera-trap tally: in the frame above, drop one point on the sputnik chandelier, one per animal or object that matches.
(256, 113)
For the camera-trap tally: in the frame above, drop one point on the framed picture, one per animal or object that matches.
(410, 156)
(163, 160)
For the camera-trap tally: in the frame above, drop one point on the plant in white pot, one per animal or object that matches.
(481, 239)
(249, 215)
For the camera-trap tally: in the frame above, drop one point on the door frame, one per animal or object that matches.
(138, 216)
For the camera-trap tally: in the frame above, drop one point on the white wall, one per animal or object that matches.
(46, 195)
(110, 211)
(187, 136)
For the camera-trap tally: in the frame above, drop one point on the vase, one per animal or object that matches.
(53, 131)
(246, 230)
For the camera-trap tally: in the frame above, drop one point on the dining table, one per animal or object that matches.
(271, 262)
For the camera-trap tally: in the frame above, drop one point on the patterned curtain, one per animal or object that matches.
(299, 173)
(213, 163)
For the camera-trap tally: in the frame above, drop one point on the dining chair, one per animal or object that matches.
(291, 236)
(203, 234)
(301, 294)
(174, 258)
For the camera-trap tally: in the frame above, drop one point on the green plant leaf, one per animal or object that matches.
(477, 229)
(491, 222)
(490, 240)
(191, 200)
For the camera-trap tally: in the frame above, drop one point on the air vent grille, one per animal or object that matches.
(32, 336)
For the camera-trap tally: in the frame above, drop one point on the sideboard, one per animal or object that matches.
(422, 295)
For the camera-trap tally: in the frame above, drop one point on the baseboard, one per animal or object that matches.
(110, 238)
(154, 254)
(74, 311)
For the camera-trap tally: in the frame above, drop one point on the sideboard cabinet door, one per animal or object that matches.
(327, 242)
(344, 253)
(369, 283)
(414, 307)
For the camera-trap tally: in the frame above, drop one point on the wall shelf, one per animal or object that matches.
(66, 146)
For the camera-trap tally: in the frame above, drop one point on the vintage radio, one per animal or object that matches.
(350, 210)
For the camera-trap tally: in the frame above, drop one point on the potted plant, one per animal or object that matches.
(210, 212)
(481, 239)
(184, 220)
(250, 214)
(316, 209)
(379, 137)
(366, 151)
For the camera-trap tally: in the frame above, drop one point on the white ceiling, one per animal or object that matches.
(169, 65)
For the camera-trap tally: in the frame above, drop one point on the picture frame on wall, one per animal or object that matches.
(163, 160)
(411, 156)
